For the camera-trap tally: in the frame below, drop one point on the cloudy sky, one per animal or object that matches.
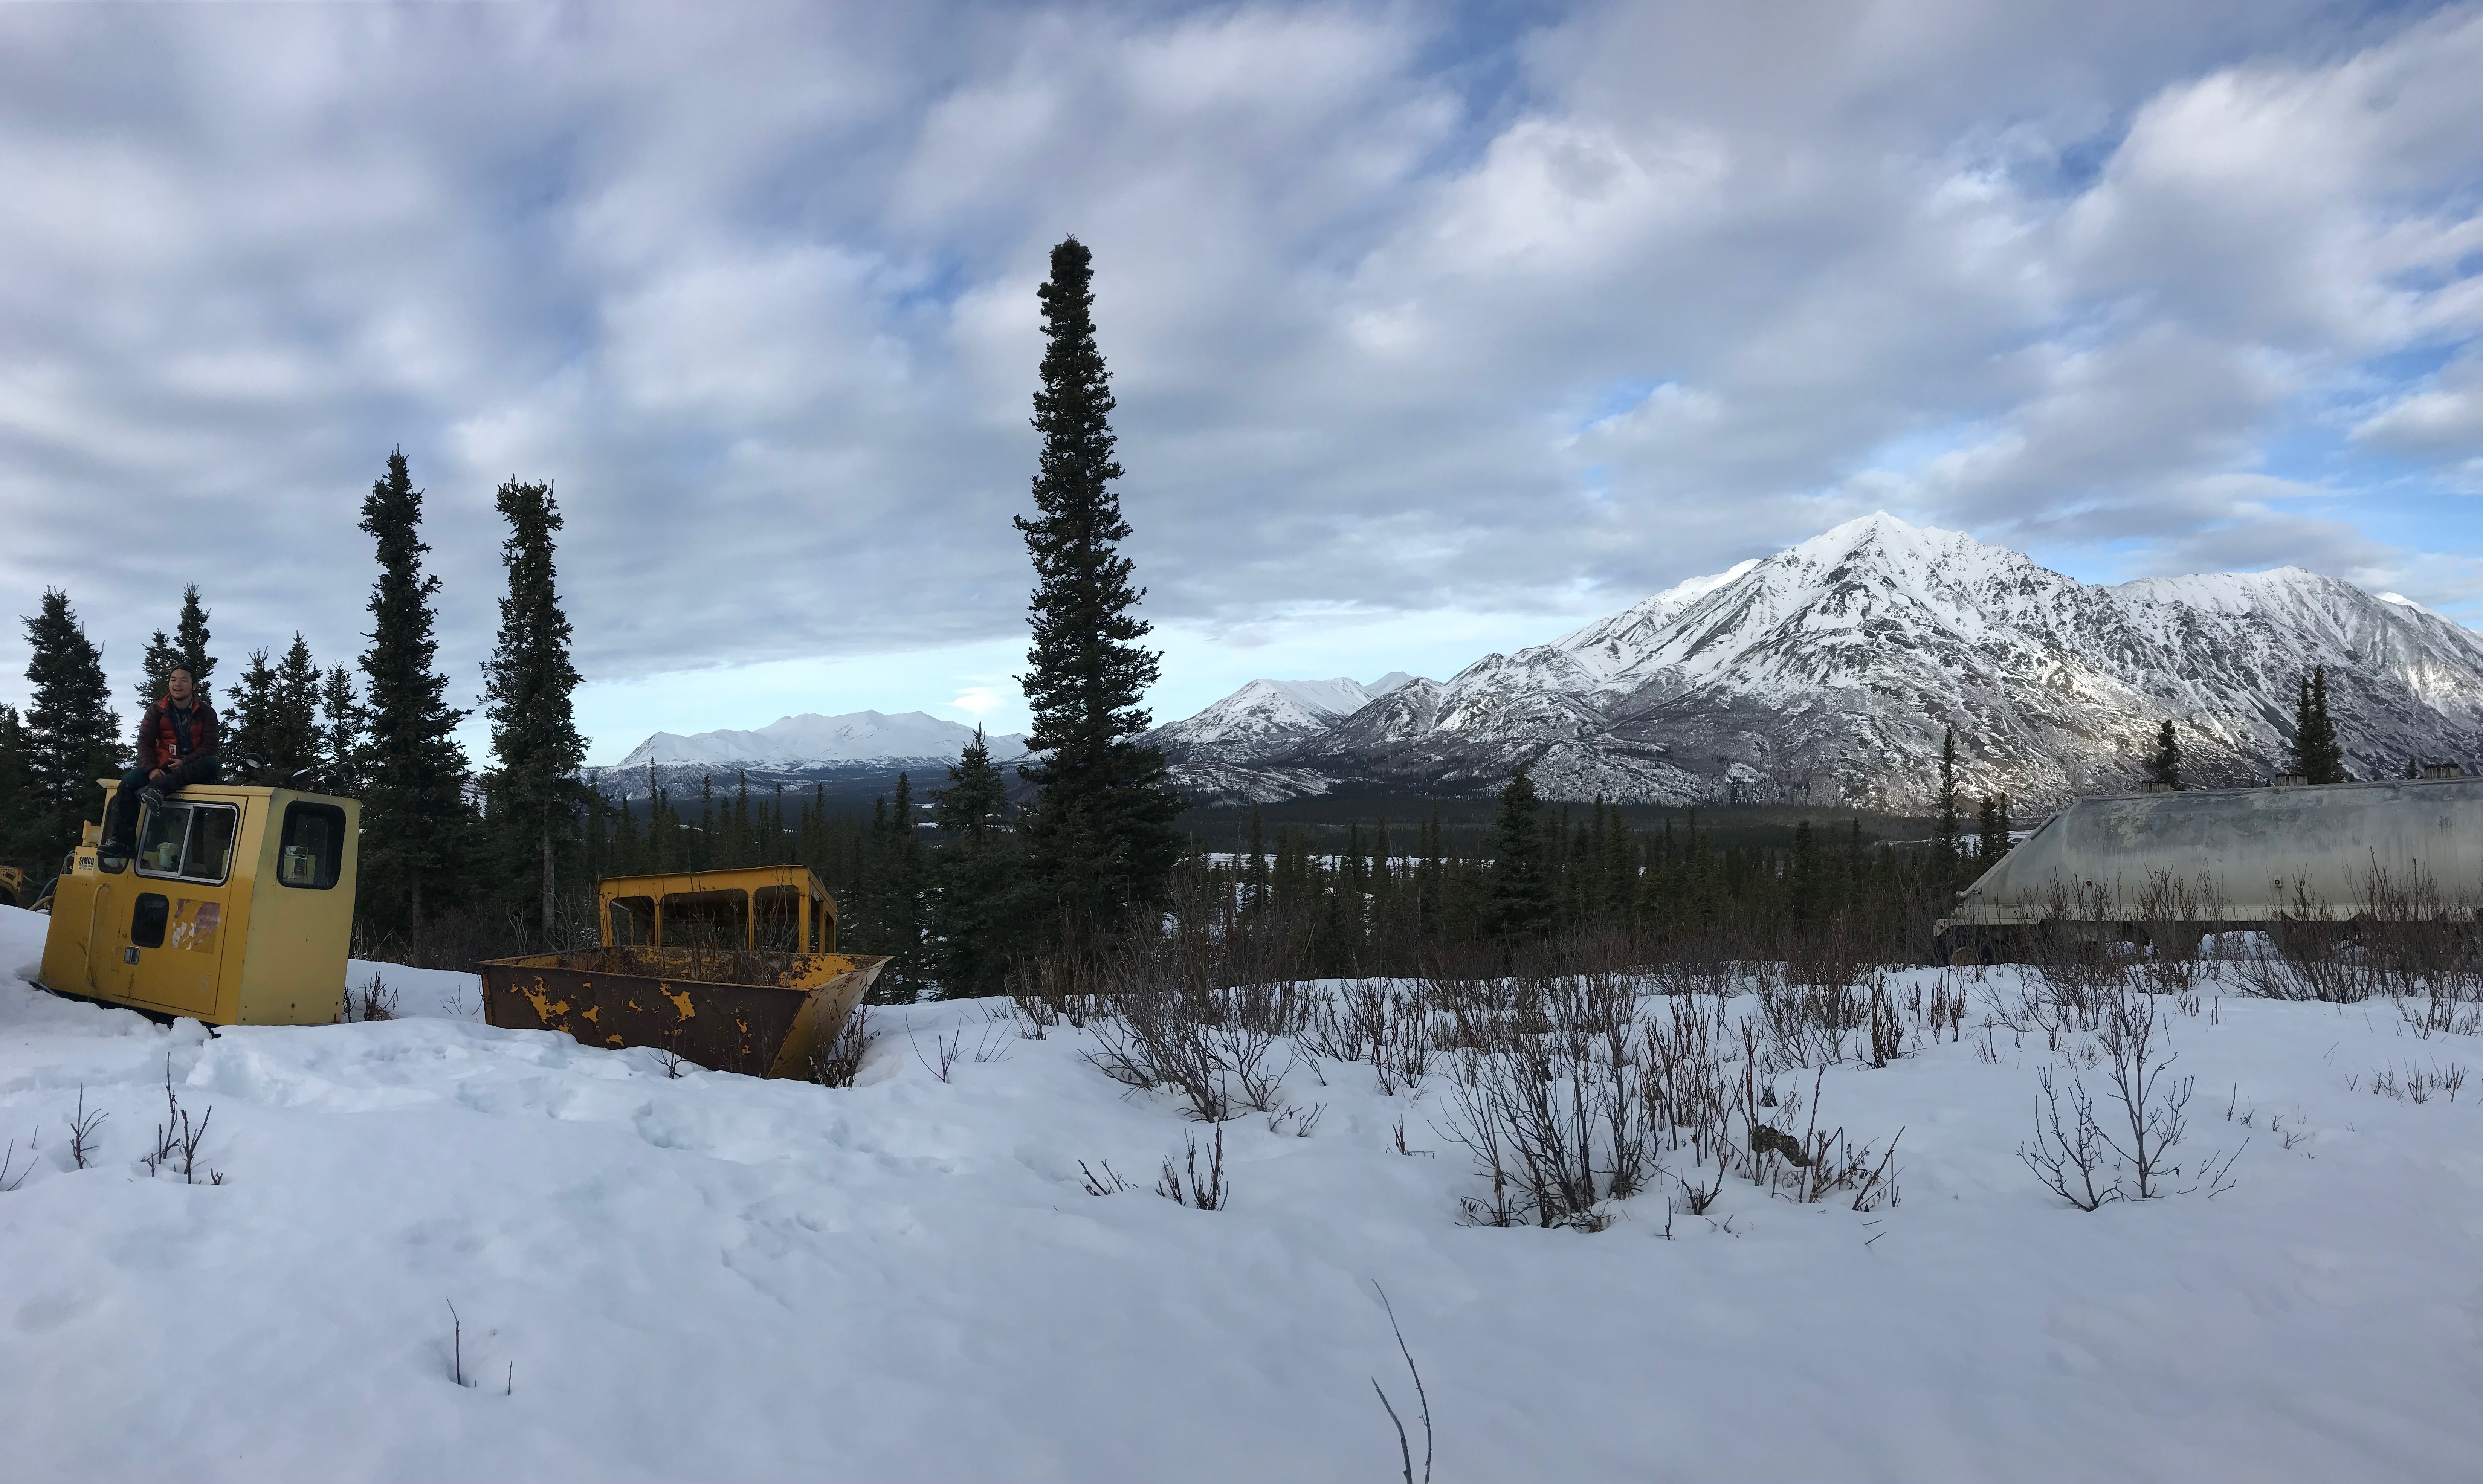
(1437, 328)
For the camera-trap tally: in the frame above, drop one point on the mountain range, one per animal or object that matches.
(858, 746)
(1826, 673)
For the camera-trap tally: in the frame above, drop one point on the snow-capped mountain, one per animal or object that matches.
(810, 745)
(1828, 672)
(1267, 716)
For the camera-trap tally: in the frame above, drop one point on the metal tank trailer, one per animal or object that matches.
(2168, 867)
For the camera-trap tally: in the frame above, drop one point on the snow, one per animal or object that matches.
(720, 1278)
(1266, 715)
(811, 740)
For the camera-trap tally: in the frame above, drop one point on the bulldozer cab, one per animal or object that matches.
(779, 909)
(236, 909)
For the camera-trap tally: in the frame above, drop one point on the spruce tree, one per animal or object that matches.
(529, 682)
(293, 750)
(155, 666)
(245, 749)
(70, 738)
(344, 732)
(186, 647)
(1946, 804)
(2316, 755)
(414, 816)
(275, 734)
(1100, 841)
(1521, 887)
(974, 878)
(17, 843)
(2164, 764)
(1992, 828)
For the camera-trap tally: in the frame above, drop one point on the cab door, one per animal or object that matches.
(110, 964)
(175, 924)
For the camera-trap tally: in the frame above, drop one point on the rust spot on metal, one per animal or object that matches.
(769, 1024)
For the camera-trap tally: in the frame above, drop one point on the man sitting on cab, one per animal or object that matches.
(177, 746)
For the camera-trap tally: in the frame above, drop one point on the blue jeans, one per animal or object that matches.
(120, 821)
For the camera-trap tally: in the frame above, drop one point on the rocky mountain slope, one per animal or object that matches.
(1826, 673)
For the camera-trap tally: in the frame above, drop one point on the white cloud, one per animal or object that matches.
(1407, 313)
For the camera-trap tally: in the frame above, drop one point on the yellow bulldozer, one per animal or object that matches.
(238, 910)
(734, 969)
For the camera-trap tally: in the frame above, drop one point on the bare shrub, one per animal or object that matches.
(8, 1181)
(2137, 1139)
(1201, 1015)
(1822, 997)
(1107, 1184)
(2416, 1084)
(1300, 1119)
(1946, 1008)
(2174, 913)
(83, 1128)
(2069, 1154)
(1887, 1027)
(1404, 1447)
(372, 1000)
(842, 1061)
(177, 1139)
(1694, 965)
(457, 1346)
(1550, 1099)
(1187, 1186)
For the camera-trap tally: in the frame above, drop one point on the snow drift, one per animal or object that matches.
(713, 1277)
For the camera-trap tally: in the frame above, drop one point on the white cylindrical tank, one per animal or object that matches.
(2243, 856)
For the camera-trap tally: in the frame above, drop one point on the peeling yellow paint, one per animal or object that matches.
(551, 1012)
(680, 1001)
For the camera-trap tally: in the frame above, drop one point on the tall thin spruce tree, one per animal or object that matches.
(1947, 800)
(535, 793)
(416, 827)
(1101, 841)
(69, 736)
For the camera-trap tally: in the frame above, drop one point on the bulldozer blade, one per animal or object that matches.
(679, 1000)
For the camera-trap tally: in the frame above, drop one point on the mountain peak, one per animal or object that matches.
(1828, 672)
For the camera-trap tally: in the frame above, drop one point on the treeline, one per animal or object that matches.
(944, 890)
(438, 837)
(459, 862)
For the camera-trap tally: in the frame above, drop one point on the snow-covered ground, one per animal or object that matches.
(716, 1278)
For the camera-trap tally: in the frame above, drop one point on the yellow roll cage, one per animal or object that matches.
(776, 896)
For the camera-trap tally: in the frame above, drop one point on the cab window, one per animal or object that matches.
(311, 853)
(193, 842)
(147, 920)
